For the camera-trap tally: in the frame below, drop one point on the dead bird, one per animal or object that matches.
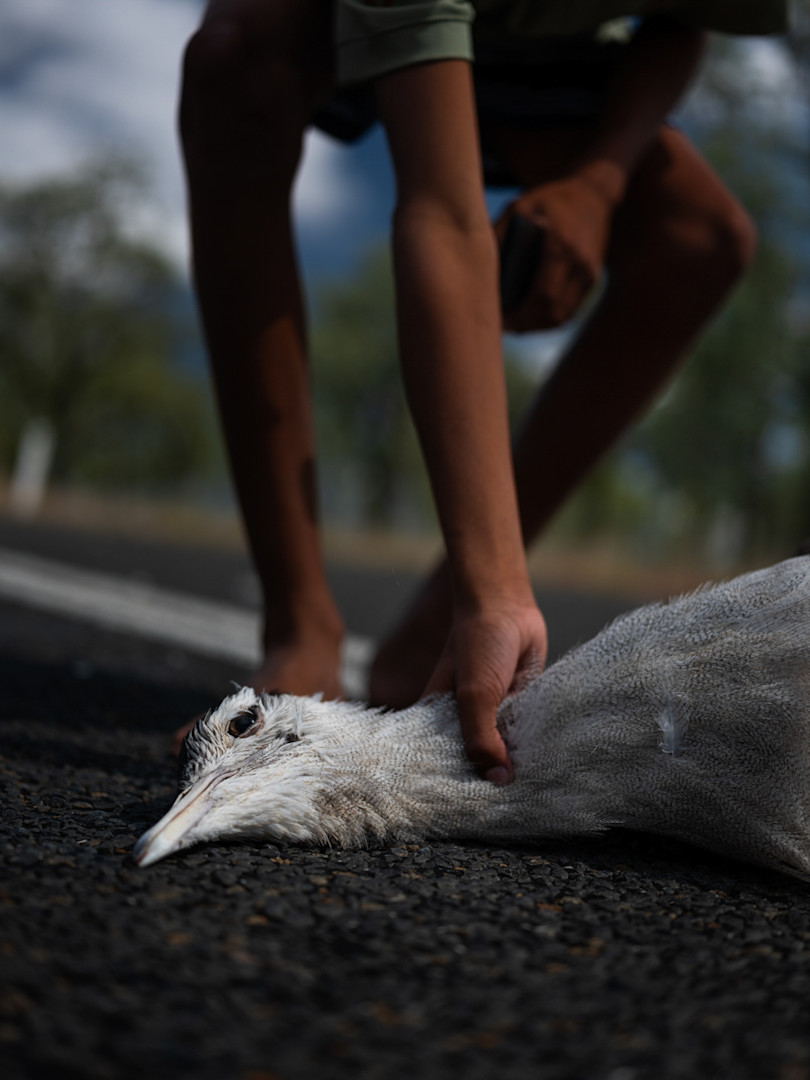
(689, 719)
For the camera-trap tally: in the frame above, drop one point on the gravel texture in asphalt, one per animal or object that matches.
(624, 959)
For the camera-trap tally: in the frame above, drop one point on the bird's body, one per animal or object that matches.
(689, 719)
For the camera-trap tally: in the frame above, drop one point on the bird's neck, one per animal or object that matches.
(406, 775)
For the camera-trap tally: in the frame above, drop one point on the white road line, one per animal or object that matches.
(209, 627)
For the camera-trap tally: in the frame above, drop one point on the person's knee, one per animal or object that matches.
(243, 85)
(706, 246)
(212, 56)
(687, 220)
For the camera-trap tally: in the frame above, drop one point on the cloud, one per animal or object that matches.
(764, 81)
(773, 81)
(87, 77)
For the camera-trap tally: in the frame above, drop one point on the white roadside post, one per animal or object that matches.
(32, 468)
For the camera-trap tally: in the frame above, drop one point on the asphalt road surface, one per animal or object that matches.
(625, 959)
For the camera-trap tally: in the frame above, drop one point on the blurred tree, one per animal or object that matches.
(798, 40)
(722, 437)
(798, 44)
(88, 330)
(364, 427)
(732, 439)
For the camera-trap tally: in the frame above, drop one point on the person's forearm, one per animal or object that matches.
(449, 323)
(660, 62)
(449, 327)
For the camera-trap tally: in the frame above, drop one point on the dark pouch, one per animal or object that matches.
(520, 253)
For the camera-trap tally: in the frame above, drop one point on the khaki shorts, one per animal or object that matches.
(374, 37)
(525, 86)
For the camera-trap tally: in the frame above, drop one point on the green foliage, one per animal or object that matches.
(87, 335)
(798, 40)
(731, 439)
(366, 437)
(714, 435)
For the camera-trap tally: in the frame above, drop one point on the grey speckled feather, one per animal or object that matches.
(689, 719)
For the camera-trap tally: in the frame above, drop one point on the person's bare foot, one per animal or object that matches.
(290, 669)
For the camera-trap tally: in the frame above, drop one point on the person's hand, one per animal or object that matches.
(489, 653)
(574, 216)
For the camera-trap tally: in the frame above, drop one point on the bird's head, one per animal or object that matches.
(256, 766)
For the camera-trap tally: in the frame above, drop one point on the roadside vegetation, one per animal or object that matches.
(93, 330)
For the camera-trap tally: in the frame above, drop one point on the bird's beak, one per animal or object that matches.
(177, 828)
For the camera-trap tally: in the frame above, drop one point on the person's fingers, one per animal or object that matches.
(500, 225)
(574, 294)
(546, 305)
(555, 297)
(566, 272)
(478, 710)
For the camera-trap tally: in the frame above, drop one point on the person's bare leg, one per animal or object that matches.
(679, 243)
(253, 73)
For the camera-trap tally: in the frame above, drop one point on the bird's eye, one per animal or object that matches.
(242, 723)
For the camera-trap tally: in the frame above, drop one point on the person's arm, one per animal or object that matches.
(449, 330)
(575, 211)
